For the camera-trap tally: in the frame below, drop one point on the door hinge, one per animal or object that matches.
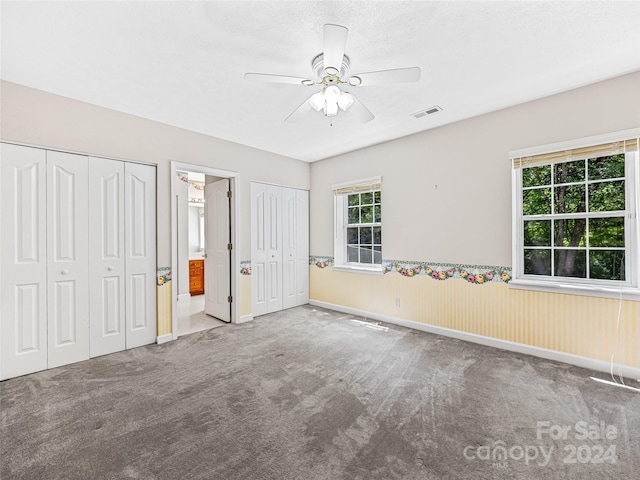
(229, 194)
(229, 299)
(229, 246)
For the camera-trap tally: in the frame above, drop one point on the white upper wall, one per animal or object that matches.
(467, 217)
(42, 119)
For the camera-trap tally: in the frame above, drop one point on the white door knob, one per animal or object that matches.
(110, 269)
(64, 272)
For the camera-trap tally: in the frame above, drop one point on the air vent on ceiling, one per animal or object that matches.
(427, 111)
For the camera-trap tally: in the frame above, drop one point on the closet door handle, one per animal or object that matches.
(110, 269)
(64, 272)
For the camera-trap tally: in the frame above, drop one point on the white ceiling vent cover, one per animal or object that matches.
(427, 111)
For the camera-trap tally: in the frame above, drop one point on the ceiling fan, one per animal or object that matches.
(331, 70)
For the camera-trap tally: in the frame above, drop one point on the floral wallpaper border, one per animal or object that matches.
(245, 267)
(164, 275)
(478, 274)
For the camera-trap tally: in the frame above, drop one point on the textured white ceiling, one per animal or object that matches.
(182, 63)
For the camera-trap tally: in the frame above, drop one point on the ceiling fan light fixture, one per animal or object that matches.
(331, 109)
(345, 100)
(332, 94)
(317, 101)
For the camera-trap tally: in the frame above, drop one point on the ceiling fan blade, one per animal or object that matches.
(299, 112)
(384, 77)
(335, 40)
(266, 77)
(362, 113)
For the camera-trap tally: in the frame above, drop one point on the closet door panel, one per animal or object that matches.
(23, 266)
(274, 249)
(140, 254)
(67, 258)
(302, 247)
(289, 245)
(259, 236)
(106, 250)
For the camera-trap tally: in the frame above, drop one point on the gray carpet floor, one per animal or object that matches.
(310, 394)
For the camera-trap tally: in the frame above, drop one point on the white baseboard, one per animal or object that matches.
(184, 297)
(245, 318)
(584, 362)
(167, 337)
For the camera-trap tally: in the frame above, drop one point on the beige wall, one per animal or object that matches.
(467, 218)
(42, 119)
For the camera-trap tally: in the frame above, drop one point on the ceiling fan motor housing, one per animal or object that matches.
(317, 64)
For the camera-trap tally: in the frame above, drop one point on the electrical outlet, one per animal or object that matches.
(398, 302)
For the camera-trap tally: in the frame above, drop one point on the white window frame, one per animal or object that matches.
(627, 289)
(340, 262)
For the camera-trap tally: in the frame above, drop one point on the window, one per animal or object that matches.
(575, 210)
(358, 225)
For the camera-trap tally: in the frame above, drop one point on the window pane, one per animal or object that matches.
(537, 232)
(606, 264)
(536, 201)
(569, 172)
(606, 167)
(377, 235)
(366, 214)
(366, 255)
(352, 236)
(377, 217)
(366, 198)
(606, 232)
(570, 263)
(536, 176)
(606, 196)
(377, 197)
(354, 199)
(352, 254)
(537, 262)
(365, 235)
(354, 215)
(570, 233)
(569, 199)
(377, 254)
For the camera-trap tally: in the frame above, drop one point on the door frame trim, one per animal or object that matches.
(234, 185)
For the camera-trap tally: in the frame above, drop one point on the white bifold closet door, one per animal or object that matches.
(279, 248)
(123, 255)
(77, 258)
(106, 250)
(295, 250)
(67, 258)
(140, 254)
(23, 260)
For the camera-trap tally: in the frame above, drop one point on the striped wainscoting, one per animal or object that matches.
(164, 301)
(578, 325)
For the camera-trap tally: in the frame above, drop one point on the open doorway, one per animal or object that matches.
(204, 257)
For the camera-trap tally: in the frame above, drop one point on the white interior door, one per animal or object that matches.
(289, 246)
(67, 258)
(23, 261)
(259, 235)
(274, 249)
(302, 247)
(140, 254)
(217, 261)
(106, 251)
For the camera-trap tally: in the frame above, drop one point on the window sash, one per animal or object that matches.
(631, 225)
